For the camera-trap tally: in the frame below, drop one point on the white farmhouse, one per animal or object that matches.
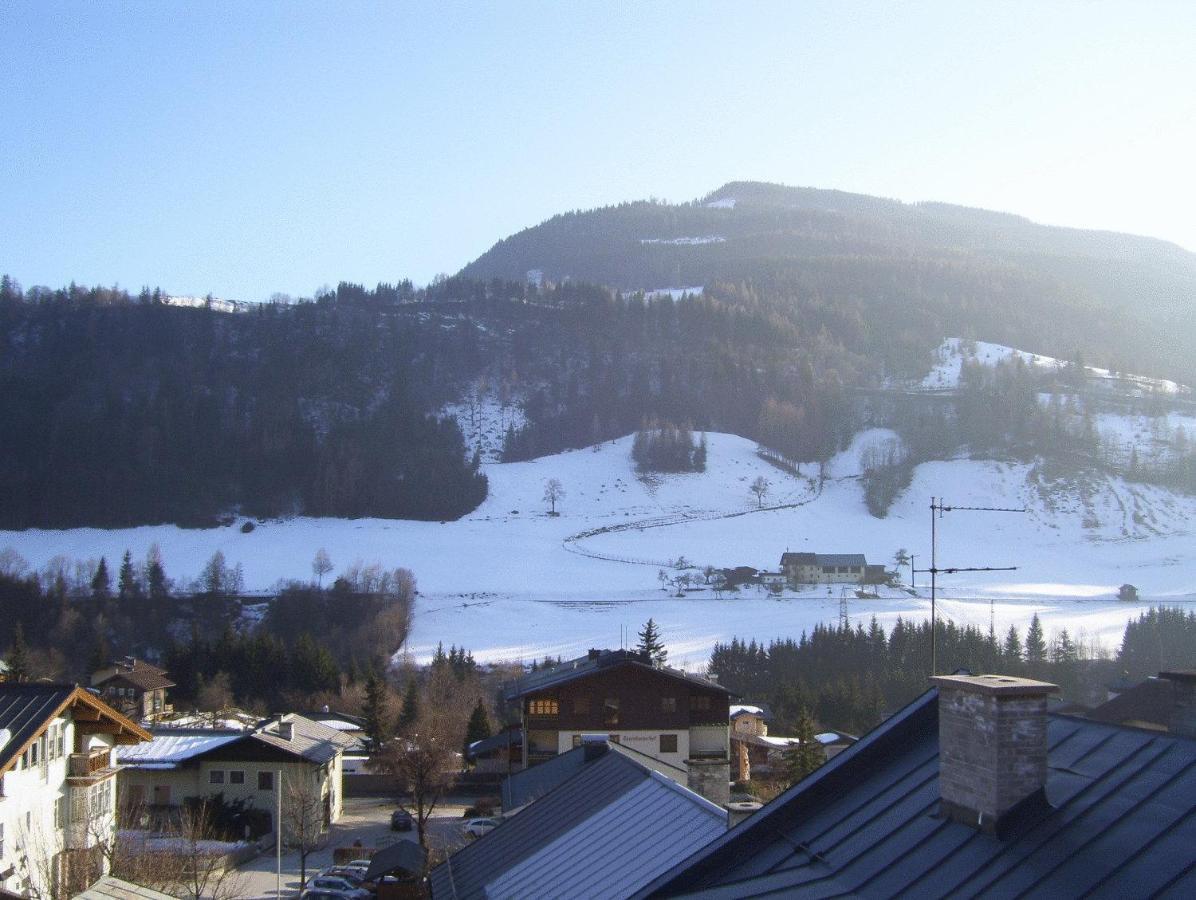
(57, 786)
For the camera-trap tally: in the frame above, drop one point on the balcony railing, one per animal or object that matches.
(84, 764)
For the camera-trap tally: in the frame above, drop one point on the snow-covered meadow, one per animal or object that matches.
(509, 581)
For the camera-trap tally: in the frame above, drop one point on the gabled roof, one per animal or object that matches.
(585, 666)
(606, 831)
(174, 747)
(136, 672)
(841, 559)
(799, 559)
(313, 741)
(530, 784)
(27, 709)
(508, 737)
(1120, 821)
(401, 856)
(1145, 704)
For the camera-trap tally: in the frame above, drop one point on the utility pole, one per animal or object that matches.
(843, 622)
(937, 508)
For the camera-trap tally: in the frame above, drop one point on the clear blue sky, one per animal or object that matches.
(250, 147)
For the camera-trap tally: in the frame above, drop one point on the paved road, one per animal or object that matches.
(365, 819)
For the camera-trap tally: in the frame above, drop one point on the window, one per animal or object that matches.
(236, 777)
(543, 708)
(33, 754)
(577, 740)
(1, 840)
(668, 743)
(216, 776)
(62, 740)
(610, 710)
(265, 781)
(699, 703)
(668, 704)
(581, 705)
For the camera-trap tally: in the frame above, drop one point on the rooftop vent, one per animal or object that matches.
(992, 746)
(286, 730)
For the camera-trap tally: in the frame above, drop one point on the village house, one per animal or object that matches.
(134, 687)
(679, 718)
(239, 765)
(57, 786)
(830, 568)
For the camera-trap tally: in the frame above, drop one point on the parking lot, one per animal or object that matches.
(366, 821)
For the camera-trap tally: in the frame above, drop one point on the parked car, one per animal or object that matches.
(310, 894)
(400, 820)
(479, 827)
(339, 884)
(355, 875)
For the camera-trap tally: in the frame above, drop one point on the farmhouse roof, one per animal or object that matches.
(595, 661)
(1120, 813)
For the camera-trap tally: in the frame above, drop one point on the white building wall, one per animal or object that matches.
(41, 814)
(646, 742)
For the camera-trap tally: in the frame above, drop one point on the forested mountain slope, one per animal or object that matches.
(912, 273)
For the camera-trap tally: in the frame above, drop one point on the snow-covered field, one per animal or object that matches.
(510, 581)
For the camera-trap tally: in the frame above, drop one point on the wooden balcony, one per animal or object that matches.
(86, 765)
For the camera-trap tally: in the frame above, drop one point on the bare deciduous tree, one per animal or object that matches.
(303, 804)
(760, 487)
(321, 566)
(553, 491)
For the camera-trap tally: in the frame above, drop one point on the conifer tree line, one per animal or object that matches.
(125, 410)
(850, 678)
(664, 447)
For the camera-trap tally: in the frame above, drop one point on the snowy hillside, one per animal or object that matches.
(511, 581)
(953, 353)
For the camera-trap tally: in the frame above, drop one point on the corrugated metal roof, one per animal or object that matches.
(24, 710)
(579, 811)
(1121, 822)
(620, 848)
(523, 787)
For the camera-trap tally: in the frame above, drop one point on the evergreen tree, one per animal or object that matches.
(1036, 648)
(128, 586)
(101, 582)
(374, 710)
(806, 755)
(409, 714)
(478, 728)
(155, 574)
(18, 656)
(1013, 647)
(651, 644)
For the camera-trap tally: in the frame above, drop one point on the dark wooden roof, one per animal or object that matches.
(585, 666)
(1119, 821)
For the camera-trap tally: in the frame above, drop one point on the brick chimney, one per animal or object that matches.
(992, 745)
(1183, 702)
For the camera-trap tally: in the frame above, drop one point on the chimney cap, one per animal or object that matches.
(996, 685)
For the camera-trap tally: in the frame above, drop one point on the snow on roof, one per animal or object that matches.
(339, 724)
(826, 737)
(737, 709)
(169, 749)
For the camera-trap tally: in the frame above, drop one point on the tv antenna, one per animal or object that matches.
(937, 508)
